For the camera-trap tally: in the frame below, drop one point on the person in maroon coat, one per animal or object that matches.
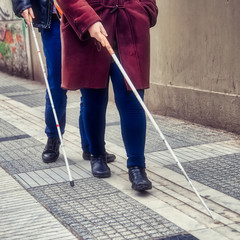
(87, 66)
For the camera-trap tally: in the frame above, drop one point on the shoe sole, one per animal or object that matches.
(52, 160)
(109, 160)
(102, 175)
(141, 188)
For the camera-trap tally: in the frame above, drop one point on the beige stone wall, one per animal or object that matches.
(36, 67)
(195, 58)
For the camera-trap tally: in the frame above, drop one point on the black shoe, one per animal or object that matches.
(138, 178)
(110, 157)
(99, 166)
(51, 151)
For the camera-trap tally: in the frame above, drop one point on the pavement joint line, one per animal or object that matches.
(22, 181)
(55, 176)
(6, 139)
(235, 226)
(46, 177)
(28, 179)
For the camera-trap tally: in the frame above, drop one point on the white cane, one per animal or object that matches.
(53, 108)
(110, 50)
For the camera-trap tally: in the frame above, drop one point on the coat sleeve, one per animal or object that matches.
(152, 10)
(20, 5)
(79, 14)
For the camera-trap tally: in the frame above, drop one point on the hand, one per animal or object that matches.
(98, 32)
(28, 15)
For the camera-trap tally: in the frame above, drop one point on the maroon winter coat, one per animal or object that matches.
(84, 65)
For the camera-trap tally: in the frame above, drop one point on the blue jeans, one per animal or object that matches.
(83, 135)
(52, 50)
(132, 117)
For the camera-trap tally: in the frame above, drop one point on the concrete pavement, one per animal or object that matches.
(37, 201)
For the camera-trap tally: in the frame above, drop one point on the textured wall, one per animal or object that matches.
(13, 49)
(195, 71)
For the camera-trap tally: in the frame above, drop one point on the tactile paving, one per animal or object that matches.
(220, 173)
(93, 209)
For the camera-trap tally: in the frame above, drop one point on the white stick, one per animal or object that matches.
(109, 48)
(52, 105)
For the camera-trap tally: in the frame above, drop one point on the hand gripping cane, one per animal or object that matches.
(53, 108)
(111, 52)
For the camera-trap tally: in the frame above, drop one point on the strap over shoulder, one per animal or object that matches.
(58, 8)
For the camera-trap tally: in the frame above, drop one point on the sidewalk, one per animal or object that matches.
(37, 202)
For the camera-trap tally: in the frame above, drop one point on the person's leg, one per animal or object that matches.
(84, 141)
(133, 128)
(93, 112)
(52, 50)
(132, 117)
(94, 118)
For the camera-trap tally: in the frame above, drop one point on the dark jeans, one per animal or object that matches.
(52, 50)
(132, 117)
(84, 140)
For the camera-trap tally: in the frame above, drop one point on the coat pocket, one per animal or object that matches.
(141, 13)
(150, 8)
(64, 23)
(142, 7)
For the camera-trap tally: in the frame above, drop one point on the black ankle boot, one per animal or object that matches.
(51, 151)
(99, 166)
(110, 157)
(138, 178)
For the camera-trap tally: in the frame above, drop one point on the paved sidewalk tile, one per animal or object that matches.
(220, 173)
(22, 217)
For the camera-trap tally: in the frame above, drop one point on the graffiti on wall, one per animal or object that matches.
(4, 15)
(13, 55)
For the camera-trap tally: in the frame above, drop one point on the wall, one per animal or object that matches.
(14, 52)
(37, 73)
(195, 73)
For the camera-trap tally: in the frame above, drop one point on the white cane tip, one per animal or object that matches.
(72, 183)
(216, 221)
